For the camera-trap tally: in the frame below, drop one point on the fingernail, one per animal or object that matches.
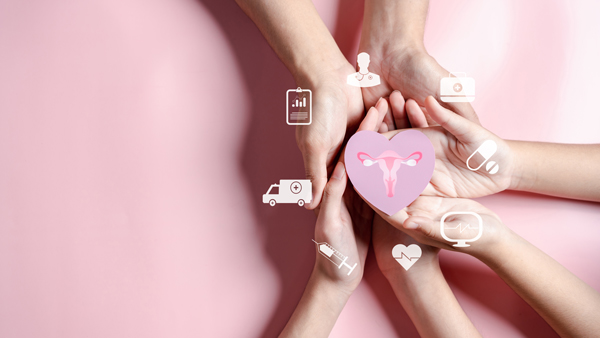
(339, 171)
(378, 101)
(410, 225)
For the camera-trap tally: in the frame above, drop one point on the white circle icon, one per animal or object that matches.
(296, 187)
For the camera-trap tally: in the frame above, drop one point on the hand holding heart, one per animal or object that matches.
(389, 175)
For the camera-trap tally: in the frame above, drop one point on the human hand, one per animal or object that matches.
(454, 141)
(393, 37)
(337, 107)
(421, 220)
(335, 228)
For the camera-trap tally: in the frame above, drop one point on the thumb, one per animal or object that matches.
(422, 225)
(315, 164)
(334, 190)
(463, 129)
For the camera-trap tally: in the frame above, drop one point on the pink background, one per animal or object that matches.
(137, 137)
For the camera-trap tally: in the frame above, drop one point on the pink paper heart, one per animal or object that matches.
(389, 174)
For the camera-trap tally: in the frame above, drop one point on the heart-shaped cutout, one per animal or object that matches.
(389, 174)
(407, 256)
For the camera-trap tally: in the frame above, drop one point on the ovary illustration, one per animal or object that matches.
(389, 163)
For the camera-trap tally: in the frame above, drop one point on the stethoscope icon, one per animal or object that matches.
(370, 77)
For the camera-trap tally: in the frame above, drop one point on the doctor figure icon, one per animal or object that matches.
(363, 78)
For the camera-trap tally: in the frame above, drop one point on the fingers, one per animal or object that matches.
(398, 111)
(416, 115)
(388, 119)
(465, 110)
(423, 225)
(315, 163)
(374, 117)
(457, 125)
(334, 190)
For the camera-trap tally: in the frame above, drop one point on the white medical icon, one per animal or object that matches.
(299, 106)
(486, 150)
(389, 163)
(407, 256)
(458, 88)
(289, 191)
(334, 256)
(363, 78)
(460, 228)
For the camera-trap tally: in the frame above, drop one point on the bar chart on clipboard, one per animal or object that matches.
(299, 106)
(334, 256)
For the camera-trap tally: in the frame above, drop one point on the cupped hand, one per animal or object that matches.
(422, 221)
(337, 108)
(412, 71)
(454, 141)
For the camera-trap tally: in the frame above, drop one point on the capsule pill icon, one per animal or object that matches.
(485, 150)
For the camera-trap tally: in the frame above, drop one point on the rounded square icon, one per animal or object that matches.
(299, 106)
(457, 89)
(461, 242)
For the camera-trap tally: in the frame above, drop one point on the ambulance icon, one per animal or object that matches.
(289, 191)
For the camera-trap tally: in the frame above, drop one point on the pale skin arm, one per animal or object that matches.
(422, 290)
(318, 309)
(568, 304)
(563, 170)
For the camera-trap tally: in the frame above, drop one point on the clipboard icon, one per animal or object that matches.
(299, 107)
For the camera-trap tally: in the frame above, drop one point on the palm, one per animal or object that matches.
(452, 178)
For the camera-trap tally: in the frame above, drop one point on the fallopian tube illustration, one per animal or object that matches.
(389, 163)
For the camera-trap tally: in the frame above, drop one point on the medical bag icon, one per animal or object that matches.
(458, 88)
(299, 106)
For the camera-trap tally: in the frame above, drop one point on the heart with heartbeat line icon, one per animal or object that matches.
(407, 256)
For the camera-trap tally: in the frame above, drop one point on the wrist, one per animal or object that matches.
(327, 68)
(493, 251)
(402, 20)
(518, 176)
(320, 285)
(415, 277)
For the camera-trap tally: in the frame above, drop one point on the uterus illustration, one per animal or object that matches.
(390, 162)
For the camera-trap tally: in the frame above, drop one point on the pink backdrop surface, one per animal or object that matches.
(137, 137)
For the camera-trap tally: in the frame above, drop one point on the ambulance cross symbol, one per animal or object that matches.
(296, 187)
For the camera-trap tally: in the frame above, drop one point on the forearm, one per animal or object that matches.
(394, 23)
(297, 34)
(430, 303)
(564, 170)
(569, 305)
(318, 309)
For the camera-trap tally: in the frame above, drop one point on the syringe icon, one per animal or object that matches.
(334, 256)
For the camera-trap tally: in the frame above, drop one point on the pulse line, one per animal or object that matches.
(462, 228)
(405, 256)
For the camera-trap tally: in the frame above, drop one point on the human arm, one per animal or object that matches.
(563, 170)
(331, 285)
(297, 34)
(569, 305)
(422, 289)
